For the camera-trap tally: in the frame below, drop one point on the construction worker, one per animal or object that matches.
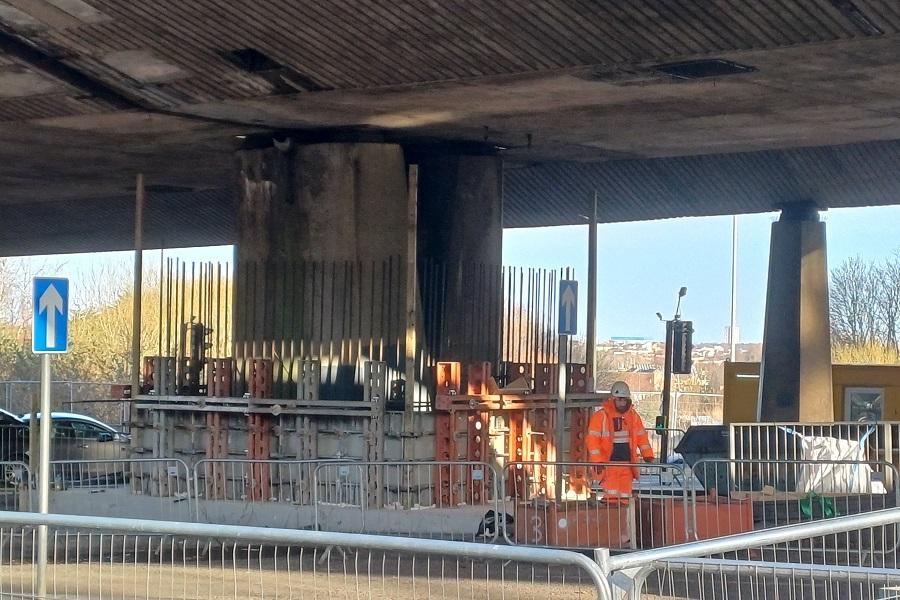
(616, 434)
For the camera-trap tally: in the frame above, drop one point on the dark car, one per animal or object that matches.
(13, 437)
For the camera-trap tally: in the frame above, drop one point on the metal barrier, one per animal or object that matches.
(15, 488)
(404, 498)
(559, 505)
(255, 480)
(748, 494)
(255, 492)
(671, 573)
(155, 559)
(157, 488)
(878, 441)
(719, 578)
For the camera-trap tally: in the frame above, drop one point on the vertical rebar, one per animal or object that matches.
(138, 281)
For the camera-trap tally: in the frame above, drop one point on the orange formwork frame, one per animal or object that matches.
(528, 426)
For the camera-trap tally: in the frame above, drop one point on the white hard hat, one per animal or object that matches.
(620, 390)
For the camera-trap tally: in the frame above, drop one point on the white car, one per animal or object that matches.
(83, 444)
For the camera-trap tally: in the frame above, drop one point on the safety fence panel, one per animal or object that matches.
(403, 498)
(255, 492)
(15, 488)
(746, 494)
(875, 441)
(574, 505)
(738, 566)
(734, 579)
(137, 559)
(150, 488)
(259, 480)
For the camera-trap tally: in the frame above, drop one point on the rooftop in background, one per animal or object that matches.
(692, 108)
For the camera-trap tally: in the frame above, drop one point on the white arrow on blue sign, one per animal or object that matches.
(568, 307)
(50, 330)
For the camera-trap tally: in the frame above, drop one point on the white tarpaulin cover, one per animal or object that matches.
(830, 476)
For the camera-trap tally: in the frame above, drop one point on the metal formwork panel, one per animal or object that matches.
(578, 427)
(445, 451)
(259, 447)
(477, 450)
(510, 371)
(219, 377)
(309, 379)
(448, 378)
(217, 447)
(577, 378)
(477, 380)
(159, 374)
(259, 377)
(540, 430)
(375, 381)
(545, 379)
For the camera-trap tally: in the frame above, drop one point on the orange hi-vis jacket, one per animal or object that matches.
(608, 427)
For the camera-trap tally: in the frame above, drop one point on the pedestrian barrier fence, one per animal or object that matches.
(747, 494)
(731, 566)
(15, 488)
(874, 442)
(255, 480)
(404, 498)
(105, 558)
(157, 488)
(563, 505)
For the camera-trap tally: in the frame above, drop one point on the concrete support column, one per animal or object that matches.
(461, 234)
(320, 262)
(795, 374)
(322, 258)
(322, 202)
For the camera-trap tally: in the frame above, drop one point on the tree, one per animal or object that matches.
(865, 310)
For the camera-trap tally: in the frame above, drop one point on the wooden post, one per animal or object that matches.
(411, 293)
(591, 342)
(138, 279)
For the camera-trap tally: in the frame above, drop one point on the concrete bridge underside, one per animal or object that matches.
(516, 116)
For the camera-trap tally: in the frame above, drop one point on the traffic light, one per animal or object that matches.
(681, 347)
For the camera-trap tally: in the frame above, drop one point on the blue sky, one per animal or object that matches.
(640, 266)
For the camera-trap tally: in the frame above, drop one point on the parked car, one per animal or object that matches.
(85, 440)
(13, 447)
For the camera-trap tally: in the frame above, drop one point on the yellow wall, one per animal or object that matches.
(742, 389)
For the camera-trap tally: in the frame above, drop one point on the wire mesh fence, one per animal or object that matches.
(739, 566)
(721, 578)
(405, 498)
(116, 558)
(746, 495)
(152, 488)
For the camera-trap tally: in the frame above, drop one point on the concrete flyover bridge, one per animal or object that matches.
(364, 159)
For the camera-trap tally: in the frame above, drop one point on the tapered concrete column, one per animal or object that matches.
(322, 258)
(461, 243)
(795, 374)
(320, 262)
(322, 202)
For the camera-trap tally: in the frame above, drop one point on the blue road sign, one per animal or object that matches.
(50, 331)
(568, 307)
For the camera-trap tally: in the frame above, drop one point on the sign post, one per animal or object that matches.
(567, 326)
(568, 307)
(49, 335)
